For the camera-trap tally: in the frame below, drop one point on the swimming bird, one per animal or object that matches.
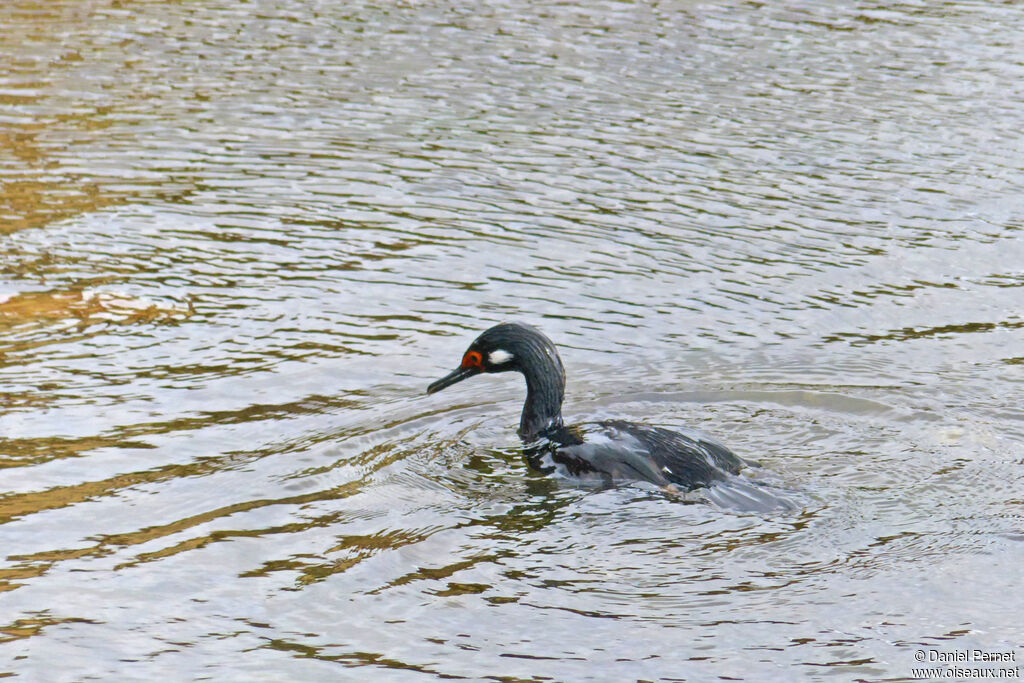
(607, 451)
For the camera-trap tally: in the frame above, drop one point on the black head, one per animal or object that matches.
(502, 348)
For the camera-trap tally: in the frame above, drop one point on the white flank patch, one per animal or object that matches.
(499, 356)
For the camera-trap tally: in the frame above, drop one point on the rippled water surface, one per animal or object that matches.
(240, 238)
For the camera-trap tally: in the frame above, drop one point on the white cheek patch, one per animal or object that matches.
(499, 356)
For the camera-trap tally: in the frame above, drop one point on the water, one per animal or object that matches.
(240, 239)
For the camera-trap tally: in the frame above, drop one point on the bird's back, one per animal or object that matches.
(616, 450)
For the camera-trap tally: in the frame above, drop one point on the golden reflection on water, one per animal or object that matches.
(86, 307)
(34, 203)
(40, 193)
(41, 190)
(26, 628)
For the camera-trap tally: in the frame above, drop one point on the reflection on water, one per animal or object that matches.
(240, 239)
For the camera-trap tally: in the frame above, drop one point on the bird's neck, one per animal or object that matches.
(545, 389)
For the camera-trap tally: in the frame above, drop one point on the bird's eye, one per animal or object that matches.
(473, 359)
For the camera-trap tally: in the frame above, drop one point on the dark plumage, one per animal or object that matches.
(605, 451)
